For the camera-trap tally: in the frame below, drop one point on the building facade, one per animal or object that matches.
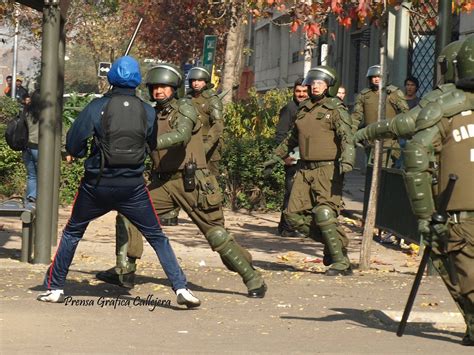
(277, 58)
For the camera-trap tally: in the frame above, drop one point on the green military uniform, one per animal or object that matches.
(442, 131)
(450, 136)
(323, 134)
(204, 203)
(366, 105)
(209, 108)
(366, 110)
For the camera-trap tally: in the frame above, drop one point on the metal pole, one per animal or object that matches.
(46, 146)
(402, 40)
(58, 135)
(15, 55)
(443, 34)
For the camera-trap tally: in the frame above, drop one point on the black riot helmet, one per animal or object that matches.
(199, 73)
(164, 74)
(464, 64)
(325, 73)
(374, 70)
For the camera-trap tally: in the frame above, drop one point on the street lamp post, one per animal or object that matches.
(15, 55)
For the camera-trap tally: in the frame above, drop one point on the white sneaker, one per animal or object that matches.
(186, 297)
(404, 245)
(53, 296)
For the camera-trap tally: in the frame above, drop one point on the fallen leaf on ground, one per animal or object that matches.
(309, 259)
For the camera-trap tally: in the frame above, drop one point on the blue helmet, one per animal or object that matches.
(125, 73)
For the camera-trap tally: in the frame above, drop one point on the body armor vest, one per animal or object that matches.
(371, 107)
(317, 139)
(172, 159)
(457, 157)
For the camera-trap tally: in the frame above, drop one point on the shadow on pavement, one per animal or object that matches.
(378, 320)
(101, 289)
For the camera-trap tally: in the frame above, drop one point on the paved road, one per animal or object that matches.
(304, 311)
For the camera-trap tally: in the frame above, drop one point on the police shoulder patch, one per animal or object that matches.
(332, 103)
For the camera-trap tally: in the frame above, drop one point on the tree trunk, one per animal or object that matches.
(377, 168)
(308, 49)
(233, 51)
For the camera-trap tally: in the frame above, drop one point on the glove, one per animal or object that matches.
(360, 138)
(424, 229)
(268, 167)
(344, 167)
(434, 235)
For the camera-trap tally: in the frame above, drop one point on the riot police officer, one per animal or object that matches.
(209, 108)
(442, 143)
(404, 125)
(323, 133)
(180, 177)
(366, 107)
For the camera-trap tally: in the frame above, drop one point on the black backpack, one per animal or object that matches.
(16, 133)
(124, 129)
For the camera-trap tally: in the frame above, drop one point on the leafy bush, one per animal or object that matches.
(12, 169)
(249, 132)
(71, 173)
(9, 108)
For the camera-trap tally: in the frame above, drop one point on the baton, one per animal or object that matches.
(440, 216)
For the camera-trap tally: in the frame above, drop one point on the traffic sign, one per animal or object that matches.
(209, 51)
(104, 68)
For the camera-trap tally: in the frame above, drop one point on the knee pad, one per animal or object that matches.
(218, 238)
(324, 216)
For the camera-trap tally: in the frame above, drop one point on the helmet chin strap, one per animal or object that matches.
(194, 91)
(315, 98)
(164, 103)
(373, 86)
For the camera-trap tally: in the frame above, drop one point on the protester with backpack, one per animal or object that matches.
(21, 135)
(30, 153)
(121, 125)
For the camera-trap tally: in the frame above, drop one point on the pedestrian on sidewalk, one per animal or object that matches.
(284, 126)
(121, 125)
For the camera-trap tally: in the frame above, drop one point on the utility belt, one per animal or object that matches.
(460, 216)
(168, 176)
(311, 164)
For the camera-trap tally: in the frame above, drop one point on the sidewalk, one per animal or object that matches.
(303, 312)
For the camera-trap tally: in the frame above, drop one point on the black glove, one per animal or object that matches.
(268, 167)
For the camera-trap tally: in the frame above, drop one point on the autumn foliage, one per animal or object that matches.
(311, 16)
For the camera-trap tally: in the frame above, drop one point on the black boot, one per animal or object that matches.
(173, 221)
(113, 277)
(258, 292)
